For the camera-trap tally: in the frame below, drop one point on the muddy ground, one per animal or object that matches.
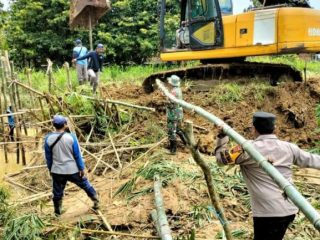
(186, 198)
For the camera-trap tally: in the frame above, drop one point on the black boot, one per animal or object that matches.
(96, 202)
(182, 136)
(173, 147)
(57, 207)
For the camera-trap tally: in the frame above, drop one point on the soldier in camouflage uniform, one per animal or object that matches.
(175, 115)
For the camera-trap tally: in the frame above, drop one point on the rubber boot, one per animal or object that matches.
(57, 207)
(182, 136)
(173, 147)
(96, 202)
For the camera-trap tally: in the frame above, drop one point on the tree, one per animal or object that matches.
(38, 29)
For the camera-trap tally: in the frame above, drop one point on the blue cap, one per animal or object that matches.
(99, 45)
(78, 41)
(59, 120)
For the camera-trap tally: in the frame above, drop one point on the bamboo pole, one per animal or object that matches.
(89, 231)
(20, 107)
(20, 185)
(214, 197)
(291, 192)
(29, 88)
(97, 159)
(115, 150)
(104, 220)
(28, 73)
(120, 103)
(3, 90)
(165, 232)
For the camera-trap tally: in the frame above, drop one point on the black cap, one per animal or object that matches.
(264, 122)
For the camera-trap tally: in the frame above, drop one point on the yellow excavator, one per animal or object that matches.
(209, 32)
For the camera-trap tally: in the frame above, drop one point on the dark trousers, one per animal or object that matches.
(11, 133)
(271, 228)
(59, 182)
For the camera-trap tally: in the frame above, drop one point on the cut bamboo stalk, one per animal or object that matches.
(104, 220)
(214, 197)
(29, 88)
(20, 185)
(89, 231)
(49, 73)
(145, 153)
(165, 231)
(120, 103)
(115, 150)
(97, 159)
(17, 93)
(67, 68)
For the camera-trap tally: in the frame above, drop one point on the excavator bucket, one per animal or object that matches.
(82, 10)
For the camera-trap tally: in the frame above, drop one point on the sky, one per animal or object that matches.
(238, 5)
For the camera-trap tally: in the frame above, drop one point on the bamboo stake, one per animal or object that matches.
(42, 109)
(67, 68)
(89, 231)
(49, 73)
(28, 73)
(214, 197)
(115, 150)
(1, 110)
(165, 232)
(20, 107)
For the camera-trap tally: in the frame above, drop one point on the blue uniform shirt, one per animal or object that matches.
(78, 52)
(10, 119)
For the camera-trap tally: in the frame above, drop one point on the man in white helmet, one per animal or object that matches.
(175, 115)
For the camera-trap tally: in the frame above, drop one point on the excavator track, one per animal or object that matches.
(270, 71)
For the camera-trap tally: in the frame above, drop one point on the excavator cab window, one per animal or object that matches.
(226, 7)
(200, 25)
(198, 8)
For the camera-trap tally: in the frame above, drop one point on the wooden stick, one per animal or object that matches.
(165, 231)
(104, 220)
(115, 150)
(214, 197)
(89, 231)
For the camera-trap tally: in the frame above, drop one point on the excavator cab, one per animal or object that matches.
(200, 24)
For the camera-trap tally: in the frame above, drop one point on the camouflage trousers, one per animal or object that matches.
(174, 129)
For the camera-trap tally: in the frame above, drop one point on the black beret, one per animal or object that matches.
(264, 122)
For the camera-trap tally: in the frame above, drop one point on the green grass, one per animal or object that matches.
(313, 67)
